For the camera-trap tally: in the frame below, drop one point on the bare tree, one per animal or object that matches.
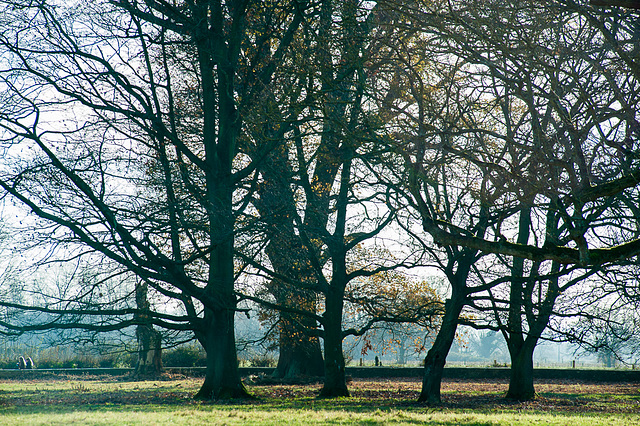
(524, 305)
(514, 108)
(571, 137)
(96, 92)
(322, 198)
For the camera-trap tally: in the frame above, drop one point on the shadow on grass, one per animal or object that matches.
(48, 397)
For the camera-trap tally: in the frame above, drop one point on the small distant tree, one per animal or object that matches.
(488, 345)
(394, 312)
(149, 360)
(606, 325)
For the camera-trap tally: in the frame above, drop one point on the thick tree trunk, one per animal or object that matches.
(222, 377)
(432, 379)
(221, 124)
(300, 354)
(335, 383)
(437, 355)
(521, 380)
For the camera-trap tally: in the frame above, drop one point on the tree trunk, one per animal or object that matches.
(149, 351)
(520, 345)
(222, 377)
(149, 340)
(437, 355)
(335, 383)
(521, 379)
(300, 354)
(221, 124)
(299, 360)
(401, 353)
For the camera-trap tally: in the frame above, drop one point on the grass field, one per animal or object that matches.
(109, 401)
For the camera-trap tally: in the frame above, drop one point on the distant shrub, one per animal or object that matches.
(118, 360)
(77, 361)
(184, 356)
(262, 360)
(7, 363)
(57, 357)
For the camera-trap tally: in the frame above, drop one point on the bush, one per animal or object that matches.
(118, 360)
(184, 356)
(8, 363)
(76, 361)
(65, 358)
(263, 360)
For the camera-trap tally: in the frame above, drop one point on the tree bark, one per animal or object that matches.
(335, 383)
(149, 351)
(521, 380)
(522, 344)
(221, 126)
(300, 353)
(149, 340)
(299, 360)
(436, 357)
(222, 377)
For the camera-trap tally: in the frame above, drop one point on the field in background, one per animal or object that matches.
(109, 400)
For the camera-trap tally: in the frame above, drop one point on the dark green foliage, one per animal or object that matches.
(184, 356)
(264, 360)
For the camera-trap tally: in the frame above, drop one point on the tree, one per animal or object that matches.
(348, 202)
(411, 306)
(94, 90)
(488, 345)
(611, 336)
(604, 125)
(299, 347)
(529, 302)
(149, 339)
(520, 111)
(426, 101)
(568, 76)
(604, 320)
(325, 184)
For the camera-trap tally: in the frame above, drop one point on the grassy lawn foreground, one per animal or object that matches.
(110, 401)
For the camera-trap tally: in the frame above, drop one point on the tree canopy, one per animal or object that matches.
(187, 155)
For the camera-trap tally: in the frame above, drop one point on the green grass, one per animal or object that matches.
(109, 402)
(290, 417)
